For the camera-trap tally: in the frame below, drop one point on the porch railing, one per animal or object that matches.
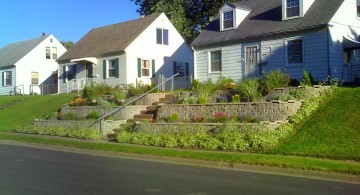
(129, 103)
(77, 84)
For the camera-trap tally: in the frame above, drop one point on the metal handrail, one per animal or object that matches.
(138, 98)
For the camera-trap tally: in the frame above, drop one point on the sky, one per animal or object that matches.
(67, 20)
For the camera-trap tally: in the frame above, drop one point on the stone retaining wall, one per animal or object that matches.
(126, 113)
(263, 111)
(161, 128)
(106, 127)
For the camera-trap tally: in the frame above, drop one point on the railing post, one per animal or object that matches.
(172, 84)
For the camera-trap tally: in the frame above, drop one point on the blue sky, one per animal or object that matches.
(67, 20)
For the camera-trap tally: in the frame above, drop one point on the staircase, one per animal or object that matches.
(148, 115)
(10, 104)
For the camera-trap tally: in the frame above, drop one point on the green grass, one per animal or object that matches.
(229, 157)
(332, 131)
(31, 107)
(7, 99)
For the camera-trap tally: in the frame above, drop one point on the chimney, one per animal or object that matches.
(43, 34)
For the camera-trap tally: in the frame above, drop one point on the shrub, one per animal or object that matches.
(172, 118)
(52, 115)
(236, 98)
(274, 79)
(231, 139)
(307, 79)
(223, 83)
(93, 115)
(221, 117)
(249, 89)
(197, 119)
(74, 132)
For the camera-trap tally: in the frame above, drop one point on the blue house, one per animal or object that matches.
(247, 38)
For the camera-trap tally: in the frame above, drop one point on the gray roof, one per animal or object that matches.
(109, 39)
(12, 53)
(265, 19)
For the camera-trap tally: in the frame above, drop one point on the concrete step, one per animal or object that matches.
(144, 116)
(131, 121)
(111, 136)
(152, 107)
(159, 103)
(170, 95)
(148, 111)
(166, 99)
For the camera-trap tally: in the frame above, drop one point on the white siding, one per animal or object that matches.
(35, 61)
(343, 24)
(146, 48)
(99, 69)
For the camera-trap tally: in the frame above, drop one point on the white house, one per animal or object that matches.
(249, 37)
(30, 66)
(126, 53)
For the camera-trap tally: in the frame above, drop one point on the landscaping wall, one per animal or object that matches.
(150, 98)
(263, 111)
(82, 111)
(161, 128)
(106, 127)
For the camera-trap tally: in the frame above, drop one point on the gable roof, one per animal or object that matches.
(12, 53)
(265, 19)
(108, 39)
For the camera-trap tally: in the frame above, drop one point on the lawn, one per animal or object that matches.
(31, 107)
(332, 131)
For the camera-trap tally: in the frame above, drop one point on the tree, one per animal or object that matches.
(67, 44)
(188, 16)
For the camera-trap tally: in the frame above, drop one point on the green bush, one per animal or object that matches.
(274, 79)
(172, 118)
(74, 132)
(139, 89)
(307, 79)
(223, 83)
(249, 89)
(93, 115)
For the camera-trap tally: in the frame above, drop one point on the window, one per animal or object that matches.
(54, 52)
(112, 68)
(34, 78)
(292, 8)
(145, 68)
(215, 61)
(162, 36)
(181, 68)
(47, 50)
(51, 40)
(228, 20)
(295, 51)
(7, 78)
(71, 72)
(358, 8)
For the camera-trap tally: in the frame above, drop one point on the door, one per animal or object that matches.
(89, 70)
(251, 61)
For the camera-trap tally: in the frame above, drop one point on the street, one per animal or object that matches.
(28, 170)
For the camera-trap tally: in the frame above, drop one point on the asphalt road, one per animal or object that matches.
(27, 170)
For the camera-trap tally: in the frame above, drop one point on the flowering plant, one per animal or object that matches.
(221, 117)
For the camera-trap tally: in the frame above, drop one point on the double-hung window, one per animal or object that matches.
(228, 20)
(215, 61)
(358, 8)
(71, 72)
(7, 81)
(112, 68)
(162, 36)
(47, 51)
(295, 53)
(54, 52)
(292, 8)
(145, 68)
(34, 78)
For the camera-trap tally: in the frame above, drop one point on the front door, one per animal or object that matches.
(251, 61)
(89, 70)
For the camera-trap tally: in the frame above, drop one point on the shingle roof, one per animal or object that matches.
(108, 39)
(12, 53)
(265, 19)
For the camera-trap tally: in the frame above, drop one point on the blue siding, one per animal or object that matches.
(6, 90)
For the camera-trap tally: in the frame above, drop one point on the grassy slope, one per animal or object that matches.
(333, 131)
(7, 99)
(31, 107)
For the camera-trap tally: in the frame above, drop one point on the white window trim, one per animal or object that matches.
(209, 61)
(222, 19)
(286, 51)
(142, 67)
(4, 78)
(108, 68)
(162, 36)
(357, 7)
(301, 10)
